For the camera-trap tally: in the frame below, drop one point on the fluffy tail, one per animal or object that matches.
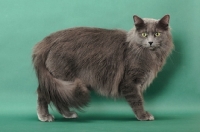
(62, 94)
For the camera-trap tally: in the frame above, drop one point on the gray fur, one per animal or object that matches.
(114, 63)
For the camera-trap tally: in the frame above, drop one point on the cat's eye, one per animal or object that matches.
(144, 34)
(157, 34)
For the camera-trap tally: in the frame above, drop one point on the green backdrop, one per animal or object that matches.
(173, 98)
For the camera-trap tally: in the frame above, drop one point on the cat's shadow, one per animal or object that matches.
(98, 117)
(158, 87)
(87, 118)
(116, 118)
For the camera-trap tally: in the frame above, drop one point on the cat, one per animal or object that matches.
(114, 63)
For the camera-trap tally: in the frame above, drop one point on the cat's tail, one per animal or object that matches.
(62, 94)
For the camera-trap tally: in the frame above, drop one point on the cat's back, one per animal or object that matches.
(87, 38)
(86, 41)
(86, 34)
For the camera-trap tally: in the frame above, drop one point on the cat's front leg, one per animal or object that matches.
(134, 97)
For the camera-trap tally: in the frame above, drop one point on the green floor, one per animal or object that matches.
(103, 117)
(173, 98)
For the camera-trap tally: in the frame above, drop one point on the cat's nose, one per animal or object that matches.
(150, 43)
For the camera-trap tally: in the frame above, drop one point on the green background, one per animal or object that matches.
(173, 98)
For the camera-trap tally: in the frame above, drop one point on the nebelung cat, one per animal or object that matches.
(114, 63)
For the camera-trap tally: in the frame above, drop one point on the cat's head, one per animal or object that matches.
(151, 33)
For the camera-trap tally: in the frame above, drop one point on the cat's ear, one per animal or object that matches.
(164, 22)
(139, 23)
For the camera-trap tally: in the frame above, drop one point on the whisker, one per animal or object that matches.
(137, 53)
(151, 54)
(176, 51)
(171, 60)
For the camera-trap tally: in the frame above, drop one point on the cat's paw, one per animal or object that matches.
(145, 116)
(46, 118)
(70, 115)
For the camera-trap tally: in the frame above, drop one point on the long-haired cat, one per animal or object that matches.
(114, 63)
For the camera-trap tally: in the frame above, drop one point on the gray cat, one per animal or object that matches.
(115, 63)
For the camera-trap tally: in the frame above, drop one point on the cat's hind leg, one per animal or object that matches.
(42, 108)
(65, 112)
(76, 97)
(69, 114)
